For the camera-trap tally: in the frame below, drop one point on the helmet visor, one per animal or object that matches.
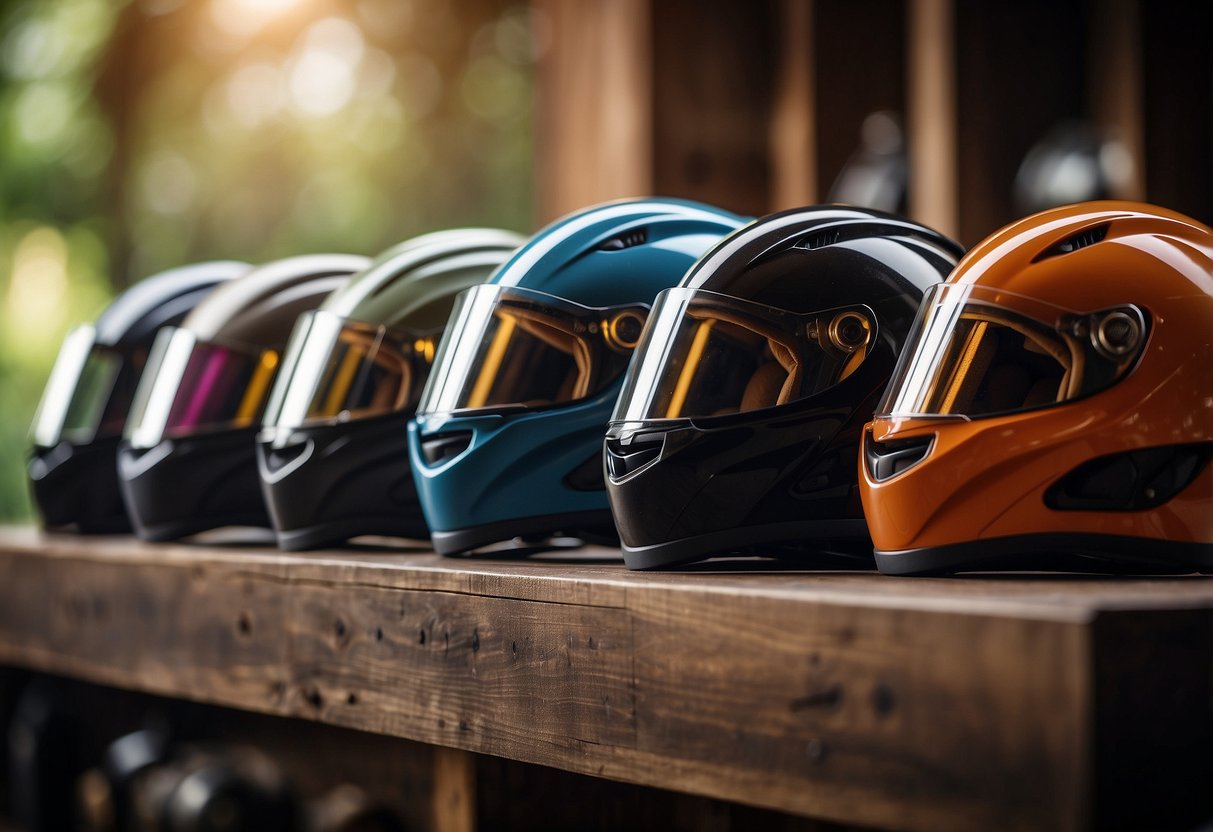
(335, 370)
(507, 347)
(88, 393)
(707, 354)
(191, 386)
(975, 351)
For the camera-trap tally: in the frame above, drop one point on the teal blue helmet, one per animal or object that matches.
(507, 441)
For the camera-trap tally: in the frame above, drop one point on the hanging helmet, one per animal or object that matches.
(508, 437)
(73, 462)
(188, 461)
(1056, 397)
(333, 451)
(739, 421)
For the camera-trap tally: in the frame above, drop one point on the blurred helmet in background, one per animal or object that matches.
(73, 462)
(188, 462)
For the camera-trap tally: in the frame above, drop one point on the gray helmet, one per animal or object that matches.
(187, 463)
(333, 452)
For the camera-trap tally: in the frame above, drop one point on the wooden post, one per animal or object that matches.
(793, 117)
(594, 104)
(454, 798)
(1114, 88)
(931, 117)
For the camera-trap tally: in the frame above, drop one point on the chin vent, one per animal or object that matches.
(1082, 239)
(623, 459)
(628, 240)
(820, 239)
(886, 460)
(443, 446)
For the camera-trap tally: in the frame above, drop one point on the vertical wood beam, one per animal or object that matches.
(594, 102)
(1114, 87)
(931, 116)
(453, 804)
(793, 117)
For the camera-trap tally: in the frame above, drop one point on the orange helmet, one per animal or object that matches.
(1053, 406)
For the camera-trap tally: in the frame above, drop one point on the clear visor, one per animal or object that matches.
(192, 387)
(708, 354)
(335, 370)
(975, 352)
(88, 393)
(511, 347)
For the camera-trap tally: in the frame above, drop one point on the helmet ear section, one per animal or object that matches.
(1130, 481)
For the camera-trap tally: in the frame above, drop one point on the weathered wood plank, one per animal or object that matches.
(908, 704)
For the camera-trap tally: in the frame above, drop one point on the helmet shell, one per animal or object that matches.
(75, 484)
(325, 483)
(200, 481)
(779, 478)
(982, 491)
(501, 475)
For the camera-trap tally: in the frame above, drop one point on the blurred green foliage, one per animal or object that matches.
(136, 136)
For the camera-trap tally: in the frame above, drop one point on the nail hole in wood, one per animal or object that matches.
(244, 624)
(475, 641)
(421, 637)
(378, 634)
(352, 699)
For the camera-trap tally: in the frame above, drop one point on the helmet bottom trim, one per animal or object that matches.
(337, 532)
(1053, 552)
(590, 526)
(811, 537)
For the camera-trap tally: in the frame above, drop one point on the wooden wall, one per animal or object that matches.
(757, 105)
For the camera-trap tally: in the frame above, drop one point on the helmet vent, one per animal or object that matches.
(1082, 239)
(626, 240)
(820, 240)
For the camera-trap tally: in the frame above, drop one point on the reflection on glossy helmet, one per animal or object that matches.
(188, 461)
(333, 452)
(73, 462)
(508, 437)
(1055, 407)
(739, 421)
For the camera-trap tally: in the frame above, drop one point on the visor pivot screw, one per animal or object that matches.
(623, 331)
(812, 332)
(1117, 334)
(848, 331)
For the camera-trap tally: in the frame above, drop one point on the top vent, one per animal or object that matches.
(1082, 239)
(627, 240)
(821, 239)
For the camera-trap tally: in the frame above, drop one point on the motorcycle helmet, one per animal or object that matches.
(1054, 405)
(739, 421)
(72, 465)
(333, 451)
(188, 461)
(508, 436)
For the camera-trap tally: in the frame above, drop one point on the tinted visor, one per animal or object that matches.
(191, 387)
(977, 352)
(512, 347)
(707, 354)
(335, 370)
(89, 391)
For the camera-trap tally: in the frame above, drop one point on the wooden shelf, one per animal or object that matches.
(994, 703)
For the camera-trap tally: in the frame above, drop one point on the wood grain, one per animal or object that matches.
(907, 704)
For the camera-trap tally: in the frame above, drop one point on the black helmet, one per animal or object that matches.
(738, 426)
(188, 461)
(72, 464)
(333, 449)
